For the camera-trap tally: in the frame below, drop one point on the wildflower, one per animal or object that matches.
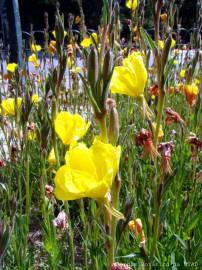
(61, 221)
(70, 50)
(34, 60)
(89, 172)
(77, 20)
(70, 62)
(154, 90)
(120, 266)
(173, 42)
(35, 48)
(52, 47)
(166, 148)
(196, 145)
(160, 44)
(136, 227)
(191, 92)
(51, 157)
(182, 73)
(130, 79)
(11, 67)
(172, 116)
(144, 138)
(31, 131)
(35, 98)
(131, 4)
(86, 42)
(181, 87)
(2, 164)
(54, 34)
(9, 105)
(197, 82)
(161, 133)
(70, 128)
(164, 17)
(170, 89)
(31, 135)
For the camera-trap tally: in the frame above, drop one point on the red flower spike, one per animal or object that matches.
(144, 138)
(172, 116)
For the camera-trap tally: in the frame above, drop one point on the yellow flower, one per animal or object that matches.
(86, 42)
(161, 133)
(31, 135)
(182, 73)
(164, 17)
(54, 34)
(11, 67)
(191, 92)
(173, 42)
(94, 38)
(34, 60)
(35, 48)
(131, 4)
(70, 128)
(197, 81)
(175, 62)
(52, 47)
(161, 44)
(8, 105)
(89, 172)
(51, 157)
(70, 62)
(130, 79)
(35, 98)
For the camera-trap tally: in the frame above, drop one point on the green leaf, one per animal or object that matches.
(182, 242)
(149, 40)
(194, 221)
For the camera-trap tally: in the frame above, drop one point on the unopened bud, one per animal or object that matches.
(93, 68)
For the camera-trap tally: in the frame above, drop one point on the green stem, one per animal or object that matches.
(115, 203)
(85, 228)
(71, 239)
(103, 128)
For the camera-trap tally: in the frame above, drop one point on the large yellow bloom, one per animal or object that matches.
(35, 48)
(70, 128)
(34, 60)
(8, 105)
(11, 67)
(86, 42)
(130, 79)
(131, 4)
(89, 172)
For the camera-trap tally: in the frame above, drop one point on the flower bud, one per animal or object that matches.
(113, 125)
(61, 221)
(93, 68)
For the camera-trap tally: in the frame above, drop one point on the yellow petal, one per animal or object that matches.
(51, 157)
(86, 42)
(11, 67)
(89, 172)
(35, 48)
(131, 4)
(130, 79)
(8, 105)
(35, 98)
(70, 127)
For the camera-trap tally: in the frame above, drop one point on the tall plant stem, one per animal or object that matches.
(71, 239)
